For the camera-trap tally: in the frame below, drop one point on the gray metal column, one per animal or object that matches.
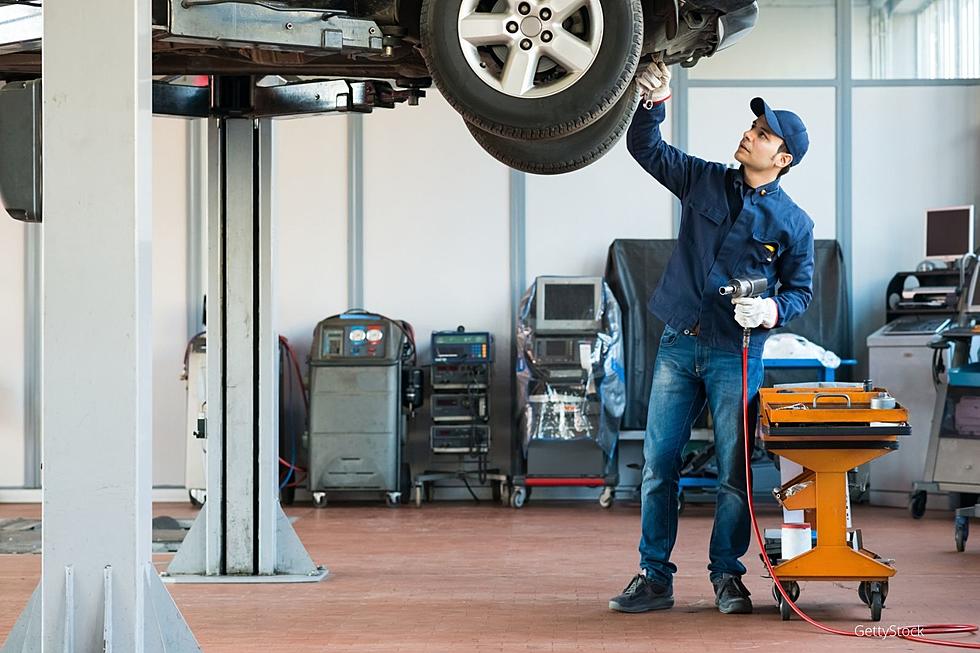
(32, 355)
(242, 534)
(197, 223)
(355, 210)
(98, 590)
(240, 308)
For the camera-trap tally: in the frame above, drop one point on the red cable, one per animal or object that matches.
(929, 629)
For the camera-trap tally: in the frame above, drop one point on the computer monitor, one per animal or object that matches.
(568, 304)
(949, 232)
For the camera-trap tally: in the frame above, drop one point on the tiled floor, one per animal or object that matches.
(461, 577)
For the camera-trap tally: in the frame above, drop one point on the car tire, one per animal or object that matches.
(558, 101)
(560, 155)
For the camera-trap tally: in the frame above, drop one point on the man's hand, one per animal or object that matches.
(654, 83)
(752, 312)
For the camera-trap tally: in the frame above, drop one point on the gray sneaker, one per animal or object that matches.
(731, 596)
(643, 595)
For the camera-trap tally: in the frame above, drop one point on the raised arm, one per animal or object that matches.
(667, 164)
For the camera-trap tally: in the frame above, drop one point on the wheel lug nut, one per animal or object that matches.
(545, 36)
(545, 14)
(524, 8)
(526, 44)
(512, 27)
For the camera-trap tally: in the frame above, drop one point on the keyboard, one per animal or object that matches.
(908, 326)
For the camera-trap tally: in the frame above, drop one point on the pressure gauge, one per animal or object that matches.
(357, 335)
(375, 335)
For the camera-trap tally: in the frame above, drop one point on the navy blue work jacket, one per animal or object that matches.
(728, 230)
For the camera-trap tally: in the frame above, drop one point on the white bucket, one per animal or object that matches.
(795, 540)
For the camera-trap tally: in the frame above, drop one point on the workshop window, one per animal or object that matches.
(916, 39)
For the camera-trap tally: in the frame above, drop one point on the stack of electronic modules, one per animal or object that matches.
(460, 401)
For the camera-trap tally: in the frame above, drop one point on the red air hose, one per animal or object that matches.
(903, 632)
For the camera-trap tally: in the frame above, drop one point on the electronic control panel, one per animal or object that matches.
(460, 377)
(462, 347)
(563, 351)
(356, 337)
(459, 407)
(460, 439)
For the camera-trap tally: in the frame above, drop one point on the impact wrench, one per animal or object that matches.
(737, 288)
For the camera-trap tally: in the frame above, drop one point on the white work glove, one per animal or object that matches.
(654, 83)
(752, 312)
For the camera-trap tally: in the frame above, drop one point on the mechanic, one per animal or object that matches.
(735, 223)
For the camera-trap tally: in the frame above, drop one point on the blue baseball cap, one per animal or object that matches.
(787, 125)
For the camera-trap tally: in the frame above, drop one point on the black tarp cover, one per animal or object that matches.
(633, 270)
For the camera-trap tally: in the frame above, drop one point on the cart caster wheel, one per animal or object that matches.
(505, 493)
(417, 496)
(917, 503)
(681, 503)
(496, 490)
(287, 496)
(393, 499)
(785, 612)
(877, 602)
(868, 590)
(606, 498)
(319, 499)
(428, 491)
(792, 588)
(961, 532)
(518, 497)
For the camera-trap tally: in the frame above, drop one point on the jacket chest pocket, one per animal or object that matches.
(702, 225)
(761, 254)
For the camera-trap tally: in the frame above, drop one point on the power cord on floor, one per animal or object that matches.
(904, 632)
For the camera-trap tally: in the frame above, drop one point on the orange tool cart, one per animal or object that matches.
(828, 432)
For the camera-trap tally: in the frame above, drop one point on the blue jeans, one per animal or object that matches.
(686, 376)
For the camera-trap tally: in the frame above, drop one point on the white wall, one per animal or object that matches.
(573, 218)
(169, 297)
(773, 49)
(719, 116)
(12, 351)
(914, 148)
(436, 223)
(436, 238)
(311, 211)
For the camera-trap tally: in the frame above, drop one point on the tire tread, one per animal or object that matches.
(605, 102)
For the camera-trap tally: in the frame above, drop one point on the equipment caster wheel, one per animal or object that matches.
(873, 594)
(417, 495)
(287, 496)
(504, 493)
(393, 499)
(785, 611)
(961, 532)
(917, 503)
(518, 497)
(607, 497)
(877, 603)
(681, 503)
(792, 588)
(496, 490)
(319, 499)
